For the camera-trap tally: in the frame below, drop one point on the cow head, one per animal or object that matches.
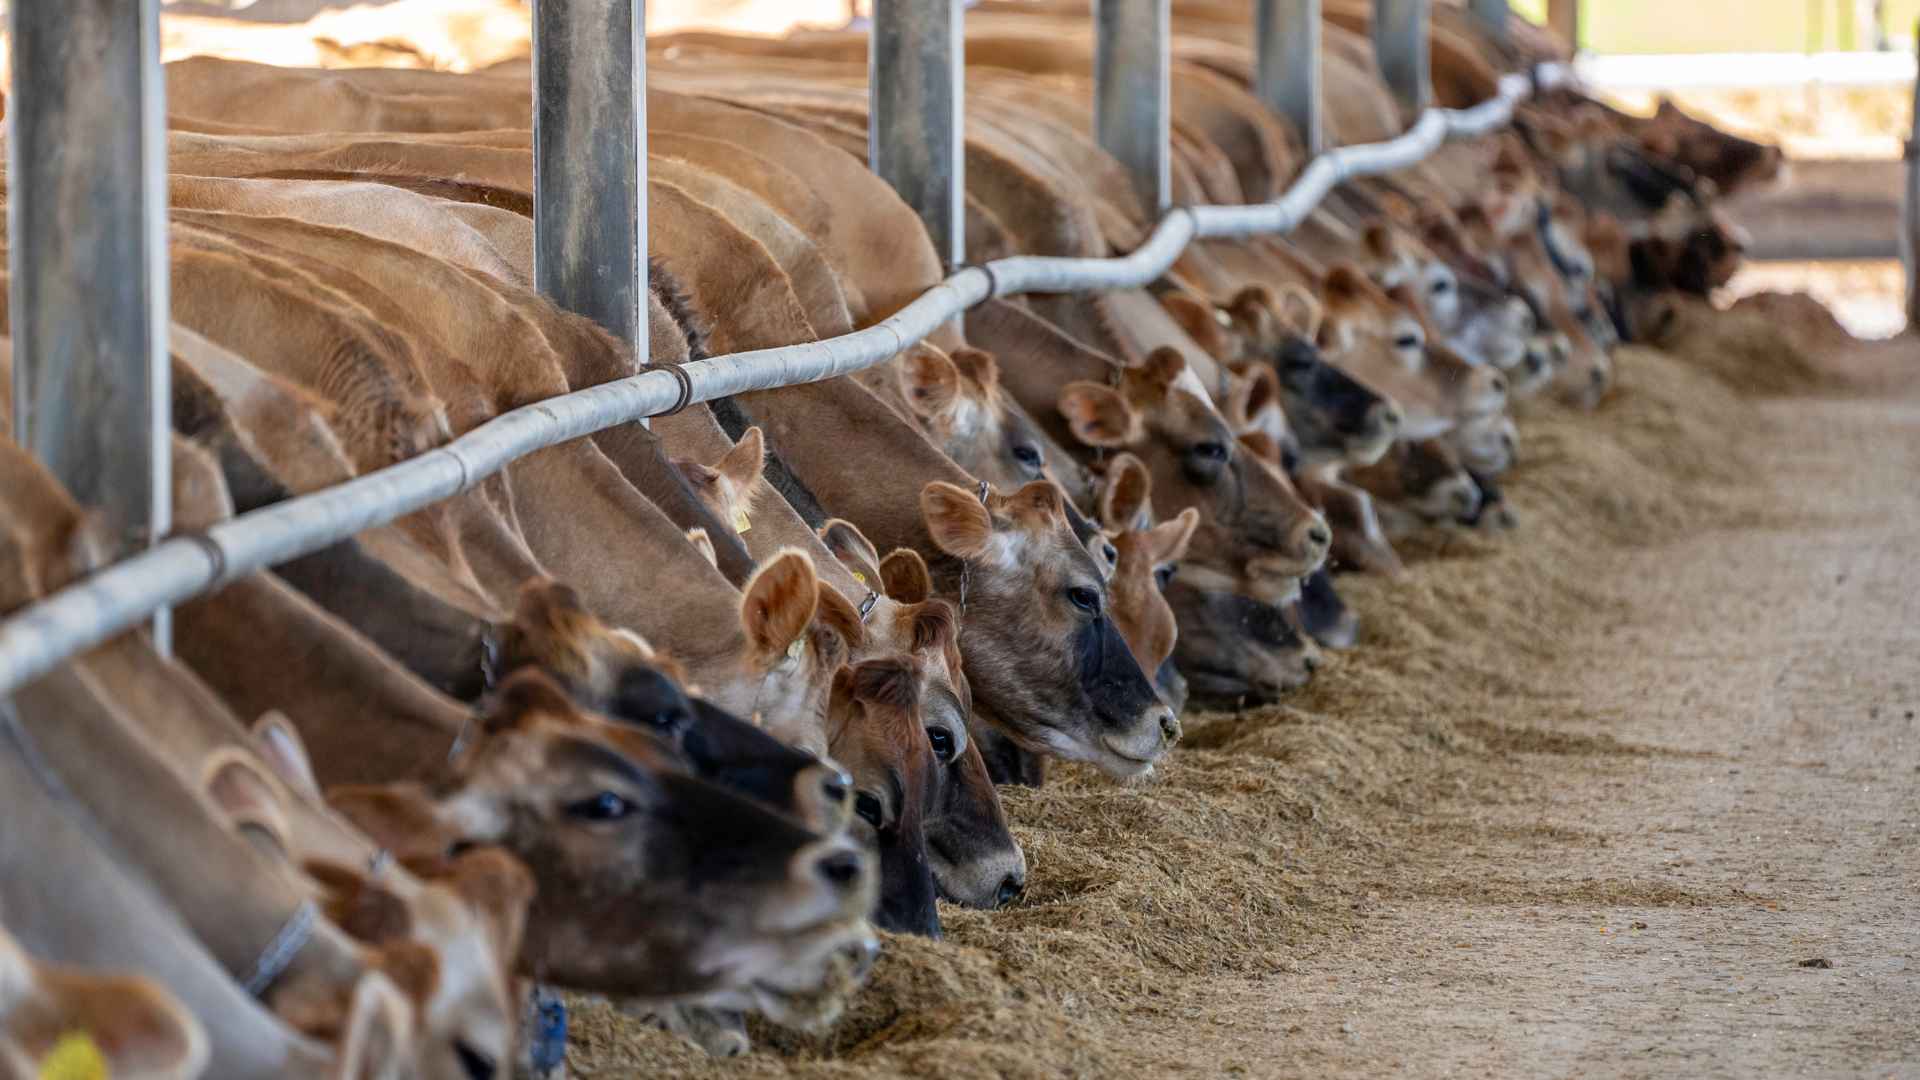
(1041, 649)
(1473, 316)
(1423, 480)
(728, 487)
(1385, 340)
(1732, 163)
(1234, 650)
(976, 861)
(1255, 532)
(653, 884)
(877, 730)
(618, 674)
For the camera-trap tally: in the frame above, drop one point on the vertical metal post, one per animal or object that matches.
(1133, 91)
(1563, 18)
(915, 76)
(590, 162)
(1910, 210)
(1492, 15)
(1287, 78)
(87, 220)
(1400, 46)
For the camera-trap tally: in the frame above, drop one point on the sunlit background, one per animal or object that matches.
(1831, 80)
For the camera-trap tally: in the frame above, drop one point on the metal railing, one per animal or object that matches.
(121, 596)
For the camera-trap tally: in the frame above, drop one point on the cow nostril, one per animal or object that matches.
(1319, 536)
(840, 868)
(1170, 726)
(1499, 383)
(1506, 443)
(1599, 378)
(1310, 662)
(1390, 418)
(1010, 889)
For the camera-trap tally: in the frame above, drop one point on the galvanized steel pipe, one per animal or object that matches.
(83, 615)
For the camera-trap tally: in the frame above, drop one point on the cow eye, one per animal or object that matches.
(1210, 451)
(1111, 554)
(1085, 599)
(1442, 287)
(606, 806)
(868, 807)
(1406, 341)
(1028, 455)
(942, 741)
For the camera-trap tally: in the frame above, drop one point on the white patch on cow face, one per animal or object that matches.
(1005, 551)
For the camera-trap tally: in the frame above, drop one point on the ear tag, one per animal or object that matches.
(74, 1057)
(794, 650)
(740, 522)
(859, 577)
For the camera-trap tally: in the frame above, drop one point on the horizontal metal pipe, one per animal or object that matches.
(80, 616)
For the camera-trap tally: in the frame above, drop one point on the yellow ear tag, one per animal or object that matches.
(794, 650)
(859, 577)
(74, 1057)
(740, 522)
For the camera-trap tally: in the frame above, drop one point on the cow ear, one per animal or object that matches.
(1380, 241)
(375, 1037)
(930, 382)
(1260, 390)
(1260, 445)
(498, 888)
(853, 549)
(958, 522)
(365, 911)
(1298, 311)
(1197, 318)
(279, 744)
(133, 1025)
(702, 543)
(979, 366)
(414, 968)
(1665, 108)
(1168, 540)
(742, 464)
(526, 693)
(934, 627)
(889, 682)
(779, 604)
(1345, 282)
(1041, 497)
(835, 613)
(247, 796)
(1098, 415)
(904, 577)
(401, 818)
(1128, 494)
(1163, 367)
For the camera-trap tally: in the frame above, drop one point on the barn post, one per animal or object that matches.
(1910, 209)
(1400, 46)
(1287, 75)
(590, 162)
(1133, 92)
(1492, 16)
(87, 218)
(915, 79)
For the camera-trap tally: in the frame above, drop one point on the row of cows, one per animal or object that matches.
(681, 716)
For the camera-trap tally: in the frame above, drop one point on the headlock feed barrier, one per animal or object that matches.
(590, 165)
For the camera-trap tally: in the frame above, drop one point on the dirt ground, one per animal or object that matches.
(1633, 791)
